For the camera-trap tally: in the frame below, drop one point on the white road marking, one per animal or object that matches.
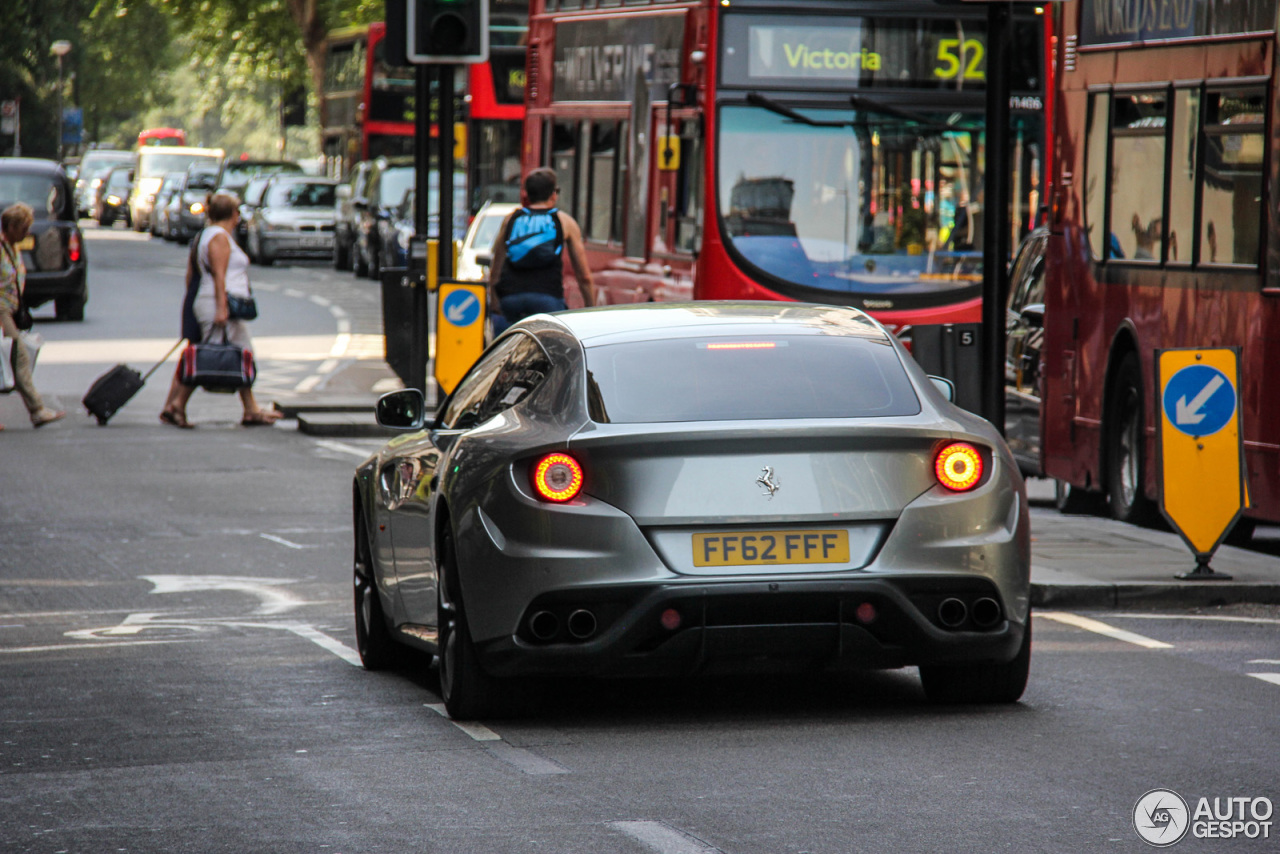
(1264, 661)
(320, 639)
(344, 448)
(309, 383)
(320, 301)
(479, 732)
(340, 344)
(1103, 629)
(327, 366)
(1273, 678)
(525, 760)
(282, 541)
(61, 646)
(1271, 621)
(274, 601)
(662, 837)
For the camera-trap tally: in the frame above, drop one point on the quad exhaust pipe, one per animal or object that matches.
(952, 613)
(986, 613)
(582, 624)
(544, 625)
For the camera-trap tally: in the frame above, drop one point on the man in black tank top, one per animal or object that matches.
(527, 273)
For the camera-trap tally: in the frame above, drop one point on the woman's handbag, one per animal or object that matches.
(7, 379)
(22, 315)
(217, 366)
(241, 308)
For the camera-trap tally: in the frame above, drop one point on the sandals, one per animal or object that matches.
(260, 419)
(47, 416)
(176, 419)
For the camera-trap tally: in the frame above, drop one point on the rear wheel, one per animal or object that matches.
(980, 683)
(341, 255)
(1125, 441)
(70, 308)
(359, 265)
(468, 691)
(378, 650)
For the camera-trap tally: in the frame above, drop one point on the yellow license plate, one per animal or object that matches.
(28, 243)
(763, 548)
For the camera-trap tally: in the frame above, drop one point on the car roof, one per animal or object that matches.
(652, 321)
(31, 165)
(301, 179)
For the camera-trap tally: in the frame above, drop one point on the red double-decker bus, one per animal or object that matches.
(781, 149)
(368, 105)
(1161, 234)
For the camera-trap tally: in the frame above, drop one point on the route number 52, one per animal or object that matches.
(953, 55)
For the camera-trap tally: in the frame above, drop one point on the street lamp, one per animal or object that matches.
(60, 48)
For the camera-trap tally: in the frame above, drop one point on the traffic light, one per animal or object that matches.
(448, 31)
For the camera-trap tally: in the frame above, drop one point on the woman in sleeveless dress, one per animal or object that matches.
(223, 269)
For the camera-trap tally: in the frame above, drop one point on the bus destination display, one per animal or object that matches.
(767, 51)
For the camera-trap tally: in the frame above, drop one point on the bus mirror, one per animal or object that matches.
(484, 259)
(668, 153)
(343, 192)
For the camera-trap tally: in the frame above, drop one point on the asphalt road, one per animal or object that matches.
(177, 670)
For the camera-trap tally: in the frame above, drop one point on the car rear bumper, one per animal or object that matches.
(43, 287)
(755, 626)
(318, 245)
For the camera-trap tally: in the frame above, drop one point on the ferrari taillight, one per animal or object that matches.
(557, 477)
(959, 466)
(73, 247)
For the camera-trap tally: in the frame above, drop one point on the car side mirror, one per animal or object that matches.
(343, 192)
(402, 410)
(484, 259)
(1033, 315)
(946, 386)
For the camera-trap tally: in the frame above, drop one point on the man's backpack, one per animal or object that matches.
(534, 239)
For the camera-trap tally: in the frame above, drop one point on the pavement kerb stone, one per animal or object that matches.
(1176, 594)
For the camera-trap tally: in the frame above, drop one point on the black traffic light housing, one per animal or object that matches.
(448, 31)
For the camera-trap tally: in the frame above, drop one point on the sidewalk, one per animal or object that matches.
(1092, 562)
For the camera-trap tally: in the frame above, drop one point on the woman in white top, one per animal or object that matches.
(224, 270)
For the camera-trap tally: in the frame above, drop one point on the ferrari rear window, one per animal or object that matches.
(747, 378)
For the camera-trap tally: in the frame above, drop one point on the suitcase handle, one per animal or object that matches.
(157, 365)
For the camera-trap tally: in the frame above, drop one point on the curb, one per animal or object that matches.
(1203, 594)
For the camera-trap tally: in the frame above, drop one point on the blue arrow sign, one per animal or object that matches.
(461, 308)
(1199, 400)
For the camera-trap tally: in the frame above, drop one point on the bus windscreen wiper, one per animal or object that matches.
(870, 106)
(858, 102)
(755, 99)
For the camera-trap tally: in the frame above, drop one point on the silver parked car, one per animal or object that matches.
(294, 220)
(667, 489)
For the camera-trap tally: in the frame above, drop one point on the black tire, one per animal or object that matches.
(106, 221)
(986, 683)
(266, 260)
(467, 690)
(70, 308)
(341, 255)
(375, 265)
(378, 650)
(1125, 445)
(1074, 501)
(359, 265)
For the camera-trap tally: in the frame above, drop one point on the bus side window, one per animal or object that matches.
(1096, 182)
(689, 190)
(564, 160)
(602, 220)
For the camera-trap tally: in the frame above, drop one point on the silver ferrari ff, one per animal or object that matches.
(669, 489)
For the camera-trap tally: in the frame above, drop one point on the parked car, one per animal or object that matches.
(389, 181)
(234, 175)
(398, 230)
(248, 204)
(348, 217)
(161, 225)
(602, 494)
(199, 182)
(476, 253)
(93, 170)
(295, 220)
(112, 200)
(54, 251)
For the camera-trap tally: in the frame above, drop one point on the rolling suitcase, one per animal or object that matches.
(116, 387)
